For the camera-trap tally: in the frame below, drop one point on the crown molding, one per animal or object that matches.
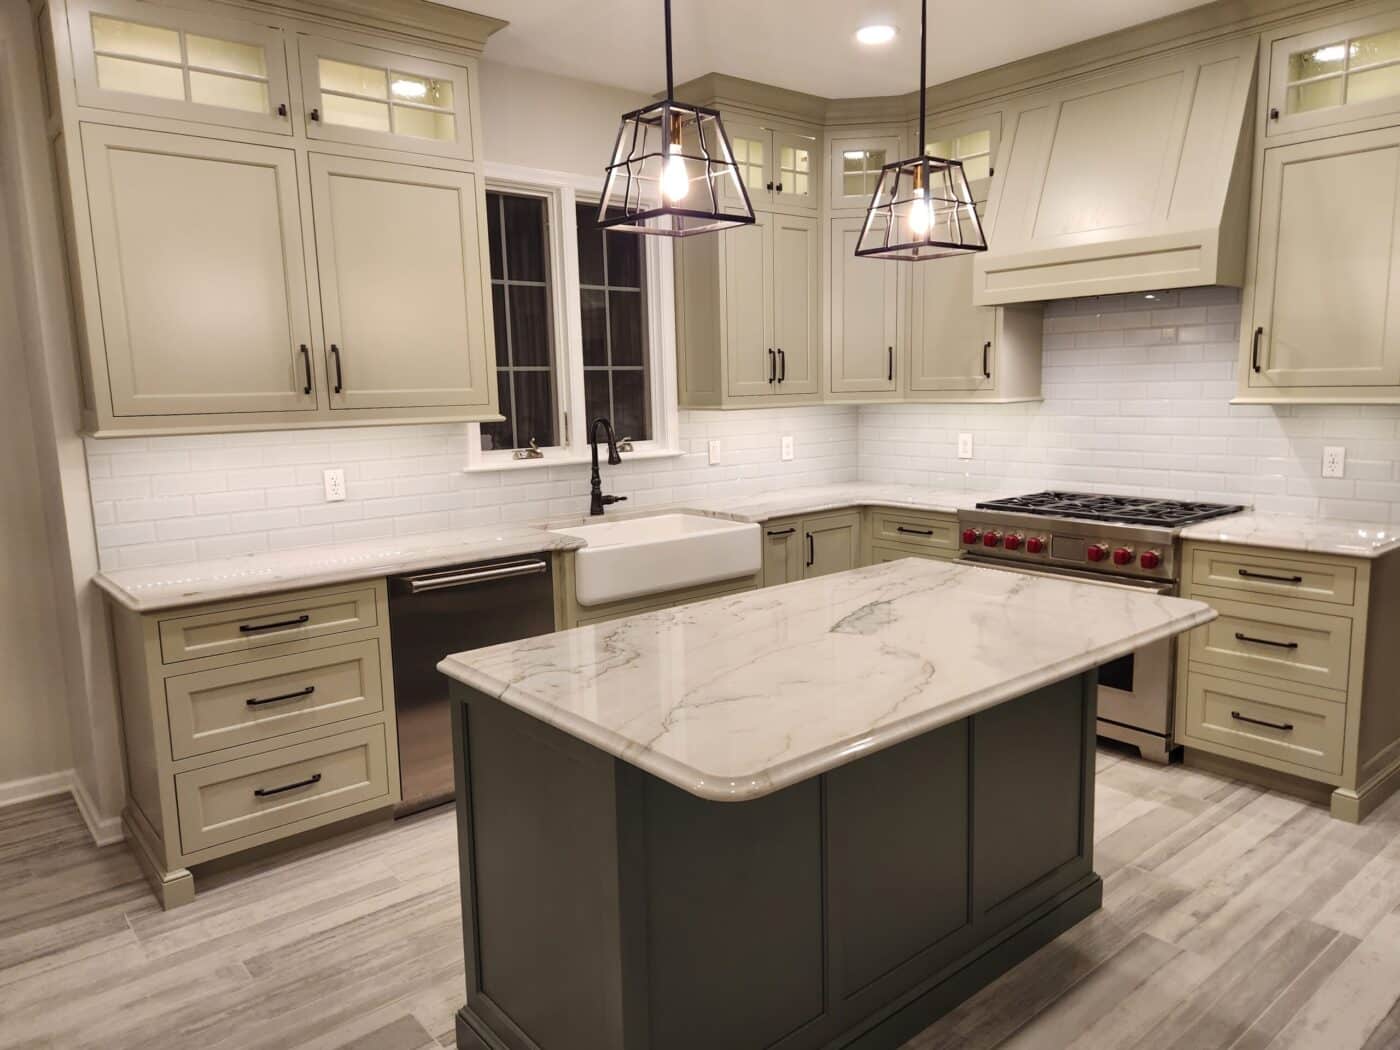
(427, 23)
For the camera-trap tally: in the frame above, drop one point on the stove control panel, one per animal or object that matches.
(1102, 549)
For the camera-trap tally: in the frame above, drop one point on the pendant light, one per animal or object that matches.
(672, 172)
(923, 207)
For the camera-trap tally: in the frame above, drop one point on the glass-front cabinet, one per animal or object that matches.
(855, 166)
(1334, 75)
(368, 97)
(137, 57)
(779, 167)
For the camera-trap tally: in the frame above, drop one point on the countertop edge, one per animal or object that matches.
(756, 785)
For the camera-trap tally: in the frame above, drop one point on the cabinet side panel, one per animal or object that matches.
(1379, 739)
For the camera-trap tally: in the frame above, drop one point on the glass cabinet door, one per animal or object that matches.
(795, 177)
(139, 58)
(1334, 75)
(377, 98)
(855, 167)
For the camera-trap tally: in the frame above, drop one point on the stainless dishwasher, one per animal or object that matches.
(432, 614)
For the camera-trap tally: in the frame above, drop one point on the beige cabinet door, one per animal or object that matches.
(864, 315)
(783, 553)
(952, 342)
(855, 164)
(796, 161)
(1327, 280)
(1342, 73)
(401, 259)
(833, 543)
(750, 356)
(752, 146)
(796, 293)
(200, 274)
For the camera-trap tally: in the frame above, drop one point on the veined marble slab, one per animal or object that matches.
(734, 698)
(173, 586)
(1294, 532)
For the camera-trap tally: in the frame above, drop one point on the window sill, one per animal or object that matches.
(570, 460)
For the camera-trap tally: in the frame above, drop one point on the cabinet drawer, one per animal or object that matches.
(1297, 730)
(1274, 575)
(879, 554)
(917, 530)
(211, 710)
(268, 623)
(234, 800)
(1303, 647)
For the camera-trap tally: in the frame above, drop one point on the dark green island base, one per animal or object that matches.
(604, 909)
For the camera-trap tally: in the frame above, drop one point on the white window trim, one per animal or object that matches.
(563, 191)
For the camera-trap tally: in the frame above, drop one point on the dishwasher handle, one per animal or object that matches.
(441, 581)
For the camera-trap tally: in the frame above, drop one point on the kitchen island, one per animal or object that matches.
(815, 815)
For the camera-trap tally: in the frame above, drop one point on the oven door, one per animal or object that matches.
(1134, 690)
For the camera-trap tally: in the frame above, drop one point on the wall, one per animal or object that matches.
(1137, 394)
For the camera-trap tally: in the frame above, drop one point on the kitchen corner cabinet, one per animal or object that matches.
(804, 548)
(747, 314)
(781, 167)
(867, 318)
(269, 229)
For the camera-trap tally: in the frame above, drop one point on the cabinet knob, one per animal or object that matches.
(281, 109)
(316, 115)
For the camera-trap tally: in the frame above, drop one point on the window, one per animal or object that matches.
(613, 307)
(521, 300)
(169, 63)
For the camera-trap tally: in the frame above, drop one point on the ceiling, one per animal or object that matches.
(805, 45)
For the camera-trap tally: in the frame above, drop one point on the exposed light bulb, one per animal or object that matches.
(919, 215)
(675, 180)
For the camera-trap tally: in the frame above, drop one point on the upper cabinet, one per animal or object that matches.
(780, 167)
(1130, 180)
(855, 163)
(135, 57)
(1335, 74)
(867, 319)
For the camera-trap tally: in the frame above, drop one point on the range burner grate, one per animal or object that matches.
(1126, 510)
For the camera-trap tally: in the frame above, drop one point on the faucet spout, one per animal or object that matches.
(597, 500)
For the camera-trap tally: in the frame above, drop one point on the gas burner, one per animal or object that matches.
(1122, 510)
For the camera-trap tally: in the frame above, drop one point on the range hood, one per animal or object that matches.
(1127, 181)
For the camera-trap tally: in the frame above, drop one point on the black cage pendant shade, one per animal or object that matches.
(923, 207)
(672, 172)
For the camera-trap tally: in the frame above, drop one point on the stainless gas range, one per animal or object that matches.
(1127, 540)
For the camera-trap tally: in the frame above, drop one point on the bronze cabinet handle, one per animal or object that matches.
(890, 377)
(339, 375)
(285, 696)
(772, 366)
(1264, 641)
(314, 778)
(1254, 352)
(987, 360)
(249, 628)
(782, 366)
(306, 362)
(811, 551)
(783, 532)
(1272, 579)
(1286, 727)
(914, 532)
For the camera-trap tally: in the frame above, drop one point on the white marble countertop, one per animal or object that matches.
(1358, 539)
(173, 586)
(814, 499)
(734, 698)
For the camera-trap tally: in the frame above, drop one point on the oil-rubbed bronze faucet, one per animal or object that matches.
(598, 501)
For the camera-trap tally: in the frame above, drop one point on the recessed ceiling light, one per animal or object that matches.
(873, 36)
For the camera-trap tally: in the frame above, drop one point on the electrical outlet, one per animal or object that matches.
(714, 453)
(1334, 462)
(964, 446)
(335, 484)
(787, 447)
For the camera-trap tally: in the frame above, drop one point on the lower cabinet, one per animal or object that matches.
(804, 548)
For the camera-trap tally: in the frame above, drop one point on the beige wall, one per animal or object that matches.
(33, 707)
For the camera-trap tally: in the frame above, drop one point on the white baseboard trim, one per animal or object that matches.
(104, 830)
(12, 792)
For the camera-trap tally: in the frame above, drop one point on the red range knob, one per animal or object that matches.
(1035, 545)
(1013, 542)
(991, 539)
(971, 535)
(1123, 556)
(1150, 559)
(1096, 551)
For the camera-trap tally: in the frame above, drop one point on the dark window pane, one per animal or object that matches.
(529, 325)
(624, 260)
(590, 245)
(632, 414)
(525, 239)
(595, 326)
(498, 313)
(596, 397)
(498, 435)
(628, 335)
(493, 228)
(534, 408)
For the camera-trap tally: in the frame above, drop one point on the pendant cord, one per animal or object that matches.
(670, 75)
(923, 71)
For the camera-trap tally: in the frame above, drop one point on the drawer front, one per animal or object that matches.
(267, 623)
(1298, 730)
(1274, 576)
(917, 530)
(1306, 648)
(251, 796)
(880, 554)
(212, 710)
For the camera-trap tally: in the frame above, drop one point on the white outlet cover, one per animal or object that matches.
(335, 485)
(1334, 461)
(714, 453)
(787, 446)
(964, 446)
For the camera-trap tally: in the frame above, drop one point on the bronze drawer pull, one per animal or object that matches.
(914, 532)
(1265, 641)
(285, 696)
(784, 532)
(249, 628)
(1272, 579)
(314, 778)
(1287, 727)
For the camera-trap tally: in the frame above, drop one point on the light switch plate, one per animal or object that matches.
(964, 446)
(1334, 462)
(335, 485)
(787, 447)
(714, 453)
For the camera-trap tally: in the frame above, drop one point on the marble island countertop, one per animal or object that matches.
(1358, 539)
(734, 698)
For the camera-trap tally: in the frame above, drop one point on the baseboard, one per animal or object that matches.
(13, 792)
(104, 830)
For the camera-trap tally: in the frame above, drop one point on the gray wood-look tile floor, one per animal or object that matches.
(1232, 918)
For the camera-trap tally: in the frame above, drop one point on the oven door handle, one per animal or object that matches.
(1081, 575)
